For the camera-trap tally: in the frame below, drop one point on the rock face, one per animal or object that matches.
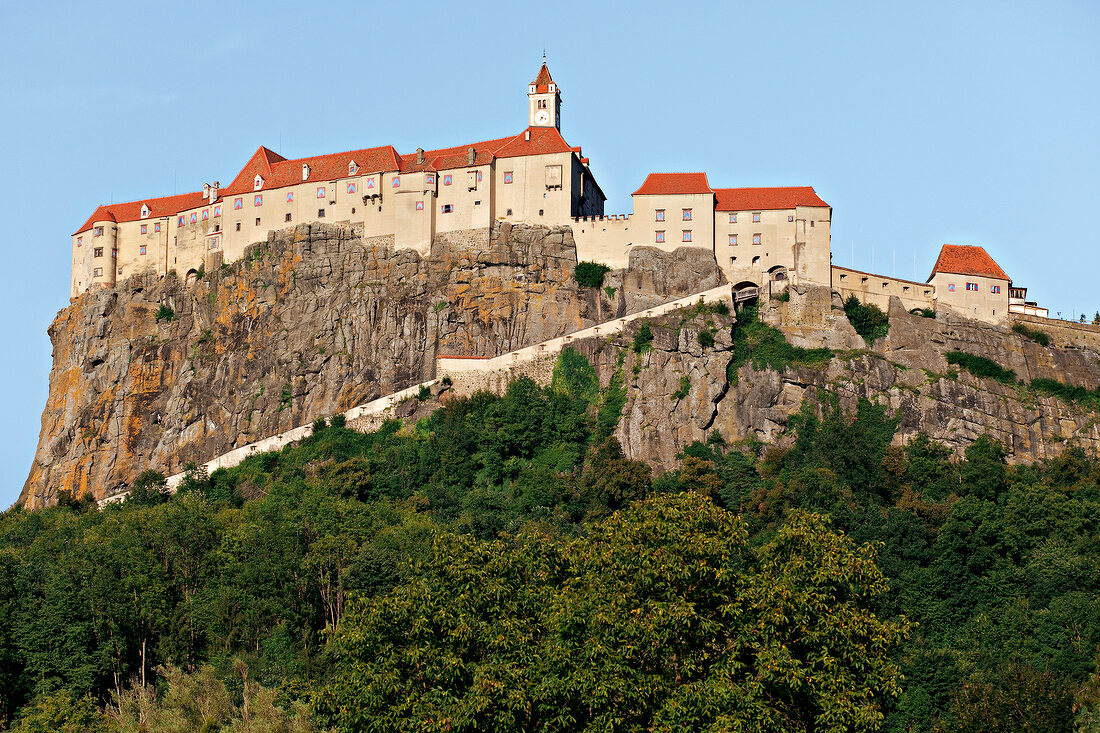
(906, 370)
(312, 322)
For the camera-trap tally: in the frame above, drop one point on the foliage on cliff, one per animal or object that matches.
(483, 545)
(867, 319)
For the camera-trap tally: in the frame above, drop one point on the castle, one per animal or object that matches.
(760, 237)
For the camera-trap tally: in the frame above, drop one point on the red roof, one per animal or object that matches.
(543, 81)
(959, 259)
(131, 210)
(747, 199)
(454, 157)
(674, 183)
(544, 140)
(277, 171)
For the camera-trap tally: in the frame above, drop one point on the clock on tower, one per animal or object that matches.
(544, 101)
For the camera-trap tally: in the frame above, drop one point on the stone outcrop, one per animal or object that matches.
(906, 370)
(310, 323)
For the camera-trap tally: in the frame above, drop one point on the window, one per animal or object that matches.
(80, 241)
(290, 197)
(471, 180)
(429, 179)
(396, 182)
(884, 285)
(540, 212)
(257, 183)
(553, 176)
(351, 188)
(756, 259)
(446, 208)
(733, 218)
(790, 217)
(194, 217)
(156, 227)
(660, 237)
(97, 252)
(950, 287)
(995, 288)
(258, 201)
(287, 217)
(811, 222)
(144, 211)
(370, 183)
(660, 215)
(180, 222)
(239, 204)
(447, 180)
(97, 232)
(257, 221)
(218, 210)
(320, 213)
(733, 240)
(238, 226)
(144, 228)
(756, 216)
(843, 277)
(419, 205)
(542, 104)
(97, 272)
(972, 286)
(756, 239)
(687, 214)
(205, 214)
(352, 169)
(509, 212)
(507, 176)
(687, 235)
(320, 192)
(477, 203)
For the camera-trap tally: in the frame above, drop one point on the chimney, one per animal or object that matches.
(527, 135)
(420, 156)
(470, 155)
(206, 192)
(305, 171)
(214, 191)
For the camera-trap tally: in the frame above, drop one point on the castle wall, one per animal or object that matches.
(878, 289)
(605, 239)
(527, 196)
(797, 240)
(1065, 334)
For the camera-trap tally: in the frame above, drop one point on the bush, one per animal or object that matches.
(338, 421)
(923, 312)
(766, 347)
(706, 339)
(590, 274)
(982, 367)
(685, 387)
(165, 313)
(423, 393)
(643, 340)
(868, 320)
(784, 297)
(1040, 337)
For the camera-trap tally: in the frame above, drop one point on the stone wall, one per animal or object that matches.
(1066, 334)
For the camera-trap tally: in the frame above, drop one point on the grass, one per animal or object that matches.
(765, 347)
(982, 367)
(1040, 337)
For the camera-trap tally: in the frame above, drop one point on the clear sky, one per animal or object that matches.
(919, 123)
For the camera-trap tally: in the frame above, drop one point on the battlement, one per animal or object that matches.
(606, 218)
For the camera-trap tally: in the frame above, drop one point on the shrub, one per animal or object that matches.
(763, 346)
(706, 339)
(722, 309)
(923, 312)
(784, 297)
(643, 340)
(982, 367)
(338, 421)
(423, 393)
(868, 320)
(590, 274)
(685, 387)
(1040, 337)
(165, 313)
(610, 292)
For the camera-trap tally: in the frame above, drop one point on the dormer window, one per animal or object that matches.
(257, 182)
(532, 89)
(552, 87)
(144, 211)
(305, 171)
(352, 168)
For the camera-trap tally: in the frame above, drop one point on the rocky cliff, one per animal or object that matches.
(310, 323)
(678, 391)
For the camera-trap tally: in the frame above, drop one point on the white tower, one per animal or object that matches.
(544, 101)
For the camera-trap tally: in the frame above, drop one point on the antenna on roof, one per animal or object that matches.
(544, 54)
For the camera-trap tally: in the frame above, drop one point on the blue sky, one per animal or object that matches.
(968, 123)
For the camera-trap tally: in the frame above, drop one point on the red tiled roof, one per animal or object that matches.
(277, 171)
(543, 81)
(544, 140)
(674, 183)
(746, 199)
(131, 210)
(454, 157)
(962, 259)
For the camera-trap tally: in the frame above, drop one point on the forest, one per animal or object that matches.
(501, 565)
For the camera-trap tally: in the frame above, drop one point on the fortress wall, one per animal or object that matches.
(1066, 334)
(605, 239)
(878, 289)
